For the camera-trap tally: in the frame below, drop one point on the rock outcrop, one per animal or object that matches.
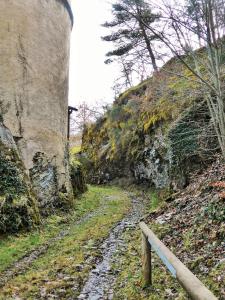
(155, 134)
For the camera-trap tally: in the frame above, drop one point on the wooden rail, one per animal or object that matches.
(191, 284)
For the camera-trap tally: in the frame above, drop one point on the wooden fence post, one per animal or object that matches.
(191, 284)
(146, 260)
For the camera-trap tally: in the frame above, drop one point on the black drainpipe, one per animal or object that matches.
(70, 111)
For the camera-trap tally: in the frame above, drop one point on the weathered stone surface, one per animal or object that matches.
(168, 159)
(6, 137)
(34, 64)
(163, 157)
(155, 163)
(44, 181)
(18, 206)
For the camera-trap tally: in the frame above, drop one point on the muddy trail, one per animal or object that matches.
(102, 278)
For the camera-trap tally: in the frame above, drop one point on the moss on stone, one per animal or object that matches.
(77, 177)
(160, 109)
(18, 207)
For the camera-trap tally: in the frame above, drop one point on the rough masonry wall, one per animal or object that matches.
(34, 64)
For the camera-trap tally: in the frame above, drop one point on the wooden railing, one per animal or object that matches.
(191, 284)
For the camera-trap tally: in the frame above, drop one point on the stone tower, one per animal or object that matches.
(34, 66)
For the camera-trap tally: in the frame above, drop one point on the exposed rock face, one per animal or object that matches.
(44, 179)
(188, 145)
(155, 163)
(6, 137)
(151, 135)
(34, 64)
(18, 206)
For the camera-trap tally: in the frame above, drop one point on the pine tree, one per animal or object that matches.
(132, 39)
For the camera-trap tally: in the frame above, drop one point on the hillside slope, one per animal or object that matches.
(192, 225)
(156, 133)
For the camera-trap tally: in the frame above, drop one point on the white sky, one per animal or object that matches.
(90, 79)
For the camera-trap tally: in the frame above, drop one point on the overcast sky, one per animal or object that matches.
(90, 79)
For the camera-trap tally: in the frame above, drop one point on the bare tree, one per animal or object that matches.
(86, 115)
(182, 35)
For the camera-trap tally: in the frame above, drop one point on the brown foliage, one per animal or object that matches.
(219, 184)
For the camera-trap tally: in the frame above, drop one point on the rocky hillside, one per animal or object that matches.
(191, 224)
(156, 133)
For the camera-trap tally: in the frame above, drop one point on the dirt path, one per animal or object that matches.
(25, 262)
(102, 278)
(79, 261)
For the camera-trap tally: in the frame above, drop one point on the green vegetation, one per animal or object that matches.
(74, 150)
(68, 255)
(14, 247)
(215, 273)
(130, 283)
(77, 173)
(135, 90)
(155, 201)
(11, 181)
(215, 211)
(153, 108)
(77, 178)
(128, 31)
(18, 205)
(184, 238)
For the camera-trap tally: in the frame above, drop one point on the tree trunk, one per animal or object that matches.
(149, 48)
(148, 45)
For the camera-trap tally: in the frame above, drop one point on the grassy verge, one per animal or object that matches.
(130, 283)
(14, 247)
(65, 265)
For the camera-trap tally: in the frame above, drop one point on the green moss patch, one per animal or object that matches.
(77, 177)
(18, 208)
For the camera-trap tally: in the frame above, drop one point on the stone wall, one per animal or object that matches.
(34, 65)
